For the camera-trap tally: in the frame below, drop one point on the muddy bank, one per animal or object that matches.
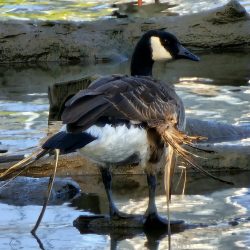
(33, 41)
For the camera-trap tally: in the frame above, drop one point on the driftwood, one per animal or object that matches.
(33, 41)
(155, 239)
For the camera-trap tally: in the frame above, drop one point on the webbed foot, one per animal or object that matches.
(154, 220)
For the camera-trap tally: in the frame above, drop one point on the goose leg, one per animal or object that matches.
(152, 218)
(107, 181)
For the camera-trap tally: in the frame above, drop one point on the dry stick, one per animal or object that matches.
(179, 179)
(26, 161)
(50, 186)
(186, 156)
(15, 176)
(38, 241)
(15, 166)
(185, 180)
(169, 169)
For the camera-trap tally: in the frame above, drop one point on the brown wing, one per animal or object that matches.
(140, 99)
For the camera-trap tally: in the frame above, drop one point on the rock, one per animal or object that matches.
(217, 132)
(103, 223)
(73, 42)
(227, 142)
(31, 191)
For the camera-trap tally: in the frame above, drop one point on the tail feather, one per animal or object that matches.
(68, 142)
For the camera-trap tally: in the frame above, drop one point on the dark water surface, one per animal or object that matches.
(216, 88)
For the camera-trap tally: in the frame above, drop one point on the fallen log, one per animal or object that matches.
(33, 41)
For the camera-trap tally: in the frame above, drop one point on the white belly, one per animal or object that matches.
(115, 144)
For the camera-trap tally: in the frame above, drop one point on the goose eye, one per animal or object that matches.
(166, 42)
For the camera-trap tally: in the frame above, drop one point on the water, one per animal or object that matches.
(216, 88)
(81, 10)
(219, 93)
(219, 217)
(209, 92)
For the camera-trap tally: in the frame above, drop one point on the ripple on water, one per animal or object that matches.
(210, 101)
(215, 209)
(90, 10)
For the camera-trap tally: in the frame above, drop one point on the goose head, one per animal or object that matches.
(157, 45)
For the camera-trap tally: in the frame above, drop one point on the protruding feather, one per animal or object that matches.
(176, 139)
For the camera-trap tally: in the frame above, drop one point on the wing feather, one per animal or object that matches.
(80, 108)
(131, 98)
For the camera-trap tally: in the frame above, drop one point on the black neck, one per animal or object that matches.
(142, 63)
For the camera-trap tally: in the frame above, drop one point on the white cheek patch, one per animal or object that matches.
(158, 51)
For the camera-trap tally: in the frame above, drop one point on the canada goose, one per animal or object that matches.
(122, 119)
(118, 118)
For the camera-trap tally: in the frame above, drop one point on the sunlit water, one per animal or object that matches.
(81, 10)
(213, 89)
(218, 218)
(216, 88)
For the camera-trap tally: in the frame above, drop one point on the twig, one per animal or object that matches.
(169, 171)
(50, 186)
(185, 180)
(38, 241)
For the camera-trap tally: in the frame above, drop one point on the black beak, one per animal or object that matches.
(186, 54)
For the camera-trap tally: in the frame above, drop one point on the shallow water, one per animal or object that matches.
(81, 10)
(217, 88)
(218, 218)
